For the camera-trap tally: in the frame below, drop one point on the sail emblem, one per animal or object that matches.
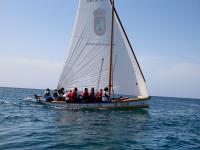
(99, 21)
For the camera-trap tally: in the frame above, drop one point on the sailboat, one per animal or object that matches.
(100, 55)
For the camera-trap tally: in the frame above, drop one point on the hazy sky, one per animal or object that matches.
(34, 37)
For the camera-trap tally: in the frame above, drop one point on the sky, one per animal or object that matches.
(165, 34)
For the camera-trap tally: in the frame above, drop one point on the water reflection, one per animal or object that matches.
(102, 125)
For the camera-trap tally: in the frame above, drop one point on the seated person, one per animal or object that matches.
(60, 94)
(105, 96)
(92, 96)
(47, 95)
(99, 96)
(61, 91)
(85, 95)
(56, 95)
(74, 95)
(67, 96)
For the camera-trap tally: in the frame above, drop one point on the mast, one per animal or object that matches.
(111, 51)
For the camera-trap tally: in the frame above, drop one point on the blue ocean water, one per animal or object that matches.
(170, 123)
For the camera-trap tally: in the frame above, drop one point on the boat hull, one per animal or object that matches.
(128, 104)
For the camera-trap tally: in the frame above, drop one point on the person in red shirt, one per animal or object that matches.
(85, 95)
(69, 93)
(68, 96)
(99, 96)
(74, 95)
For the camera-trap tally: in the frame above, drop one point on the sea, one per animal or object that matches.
(169, 124)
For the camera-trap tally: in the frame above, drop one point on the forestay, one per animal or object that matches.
(87, 63)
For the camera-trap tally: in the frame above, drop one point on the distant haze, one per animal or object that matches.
(35, 35)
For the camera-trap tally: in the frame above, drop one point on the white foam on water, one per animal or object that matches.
(29, 99)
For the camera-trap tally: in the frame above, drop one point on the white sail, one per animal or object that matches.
(87, 63)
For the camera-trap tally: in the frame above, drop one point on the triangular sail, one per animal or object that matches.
(87, 63)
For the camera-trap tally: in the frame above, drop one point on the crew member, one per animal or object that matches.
(92, 96)
(47, 95)
(74, 95)
(105, 96)
(99, 96)
(85, 95)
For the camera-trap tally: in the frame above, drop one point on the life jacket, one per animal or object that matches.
(74, 96)
(85, 94)
(99, 94)
(69, 94)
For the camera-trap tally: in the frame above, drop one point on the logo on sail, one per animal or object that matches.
(99, 22)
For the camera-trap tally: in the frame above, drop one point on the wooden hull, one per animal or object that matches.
(128, 103)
